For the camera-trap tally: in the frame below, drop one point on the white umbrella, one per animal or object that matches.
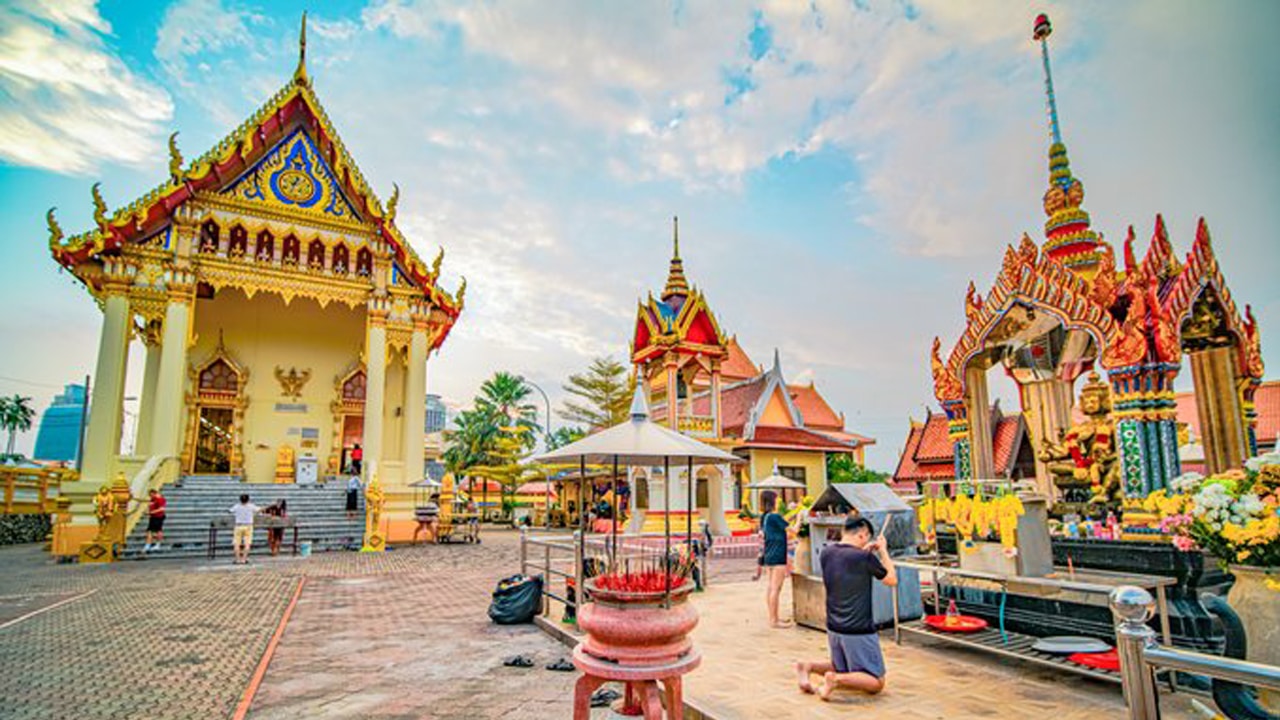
(777, 482)
(639, 441)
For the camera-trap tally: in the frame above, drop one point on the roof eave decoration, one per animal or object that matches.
(673, 334)
(227, 160)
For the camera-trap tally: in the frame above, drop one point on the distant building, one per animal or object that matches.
(437, 414)
(59, 436)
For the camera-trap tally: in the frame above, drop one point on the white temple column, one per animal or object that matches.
(103, 436)
(415, 404)
(375, 349)
(147, 405)
(716, 424)
(171, 380)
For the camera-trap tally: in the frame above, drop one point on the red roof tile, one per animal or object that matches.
(736, 402)
(935, 442)
(814, 410)
(787, 437)
(1266, 401)
(1004, 443)
(929, 454)
(737, 366)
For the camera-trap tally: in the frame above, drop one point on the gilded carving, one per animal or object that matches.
(292, 382)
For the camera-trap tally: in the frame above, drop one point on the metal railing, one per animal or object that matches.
(1140, 656)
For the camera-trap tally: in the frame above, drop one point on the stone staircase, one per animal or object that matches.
(320, 511)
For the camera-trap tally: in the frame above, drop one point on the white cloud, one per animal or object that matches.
(70, 102)
(193, 30)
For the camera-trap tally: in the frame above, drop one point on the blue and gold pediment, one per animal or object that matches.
(295, 176)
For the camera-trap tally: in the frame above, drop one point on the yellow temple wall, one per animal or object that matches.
(814, 464)
(262, 333)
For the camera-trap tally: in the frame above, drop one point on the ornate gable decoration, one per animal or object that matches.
(295, 176)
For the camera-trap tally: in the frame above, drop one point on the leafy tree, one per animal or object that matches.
(469, 441)
(842, 469)
(602, 392)
(16, 415)
(563, 436)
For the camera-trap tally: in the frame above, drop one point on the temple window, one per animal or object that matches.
(315, 255)
(239, 245)
(341, 259)
(209, 237)
(353, 389)
(292, 249)
(364, 262)
(265, 250)
(219, 377)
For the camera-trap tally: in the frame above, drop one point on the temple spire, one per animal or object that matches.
(677, 284)
(1068, 237)
(300, 74)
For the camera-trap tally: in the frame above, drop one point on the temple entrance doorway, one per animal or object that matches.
(213, 446)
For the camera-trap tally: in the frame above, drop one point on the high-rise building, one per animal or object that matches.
(437, 414)
(59, 435)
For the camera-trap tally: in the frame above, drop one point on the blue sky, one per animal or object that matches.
(841, 170)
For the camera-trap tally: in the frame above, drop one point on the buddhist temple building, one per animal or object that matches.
(704, 384)
(1074, 305)
(929, 455)
(285, 317)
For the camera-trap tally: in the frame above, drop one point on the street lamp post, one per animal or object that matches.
(546, 482)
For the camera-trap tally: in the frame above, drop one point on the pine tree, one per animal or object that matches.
(602, 392)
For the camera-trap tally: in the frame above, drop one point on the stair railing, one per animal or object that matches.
(156, 472)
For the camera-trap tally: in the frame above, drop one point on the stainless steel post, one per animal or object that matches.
(1132, 607)
(524, 551)
(547, 579)
(579, 582)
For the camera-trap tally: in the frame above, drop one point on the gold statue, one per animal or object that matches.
(291, 382)
(374, 500)
(104, 508)
(1085, 454)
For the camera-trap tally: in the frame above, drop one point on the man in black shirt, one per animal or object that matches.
(847, 571)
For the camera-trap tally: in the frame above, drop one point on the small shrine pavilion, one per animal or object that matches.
(285, 317)
(1074, 304)
(703, 383)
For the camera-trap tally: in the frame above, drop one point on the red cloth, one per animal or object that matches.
(357, 454)
(156, 507)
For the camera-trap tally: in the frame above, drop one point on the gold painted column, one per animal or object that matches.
(146, 407)
(102, 441)
(375, 349)
(716, 425)
(415, 403)
(171, 380)
(1047, 409)
(1218, 407)
(979, 423)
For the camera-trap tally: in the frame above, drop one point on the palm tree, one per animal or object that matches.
(504, 399)
(16, 415)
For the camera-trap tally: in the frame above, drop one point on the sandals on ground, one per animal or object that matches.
(562, 665)
(519, 661)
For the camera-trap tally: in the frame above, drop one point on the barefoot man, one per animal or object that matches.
(847, 571)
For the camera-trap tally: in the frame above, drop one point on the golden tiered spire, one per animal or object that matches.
(676, 282)
(1068, 237)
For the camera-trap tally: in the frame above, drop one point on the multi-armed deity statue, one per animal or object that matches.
(1083, 462)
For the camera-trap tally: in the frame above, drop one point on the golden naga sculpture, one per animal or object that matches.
(175, 159)
(374, 501)
(945, 384)
(393, 203)
(99, 206)
(55, 230)
(1085, 455)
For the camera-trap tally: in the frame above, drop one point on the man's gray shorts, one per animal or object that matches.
(856, 653)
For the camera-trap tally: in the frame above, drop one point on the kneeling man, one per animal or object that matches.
(847, 571)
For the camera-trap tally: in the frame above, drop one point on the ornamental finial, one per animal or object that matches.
(300, 74)
(675, 235)
(435, 264)
(392, 203)
(462, 293)
(677, 285)
(55, 230)
(99, 206)
(175, 159)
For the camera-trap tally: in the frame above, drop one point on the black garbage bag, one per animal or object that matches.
(516, 600)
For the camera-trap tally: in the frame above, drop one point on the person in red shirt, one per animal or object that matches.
(155, 520)
(357, 459)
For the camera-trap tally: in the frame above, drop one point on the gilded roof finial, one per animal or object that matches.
(392, 203)
(435, 264)
(462, 293)
(677, 284)
(175, 159)
(55, 230)
(300, 74)
(99, 206)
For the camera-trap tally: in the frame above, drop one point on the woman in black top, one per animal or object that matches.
(774, 558)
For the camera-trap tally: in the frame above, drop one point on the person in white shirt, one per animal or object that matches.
(243, 537)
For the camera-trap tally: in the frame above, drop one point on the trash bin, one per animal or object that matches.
(304, 548)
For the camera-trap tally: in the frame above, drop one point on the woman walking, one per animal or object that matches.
(275, 535)
(774, 559)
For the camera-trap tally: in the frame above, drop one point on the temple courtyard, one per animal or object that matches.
(404, 634)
